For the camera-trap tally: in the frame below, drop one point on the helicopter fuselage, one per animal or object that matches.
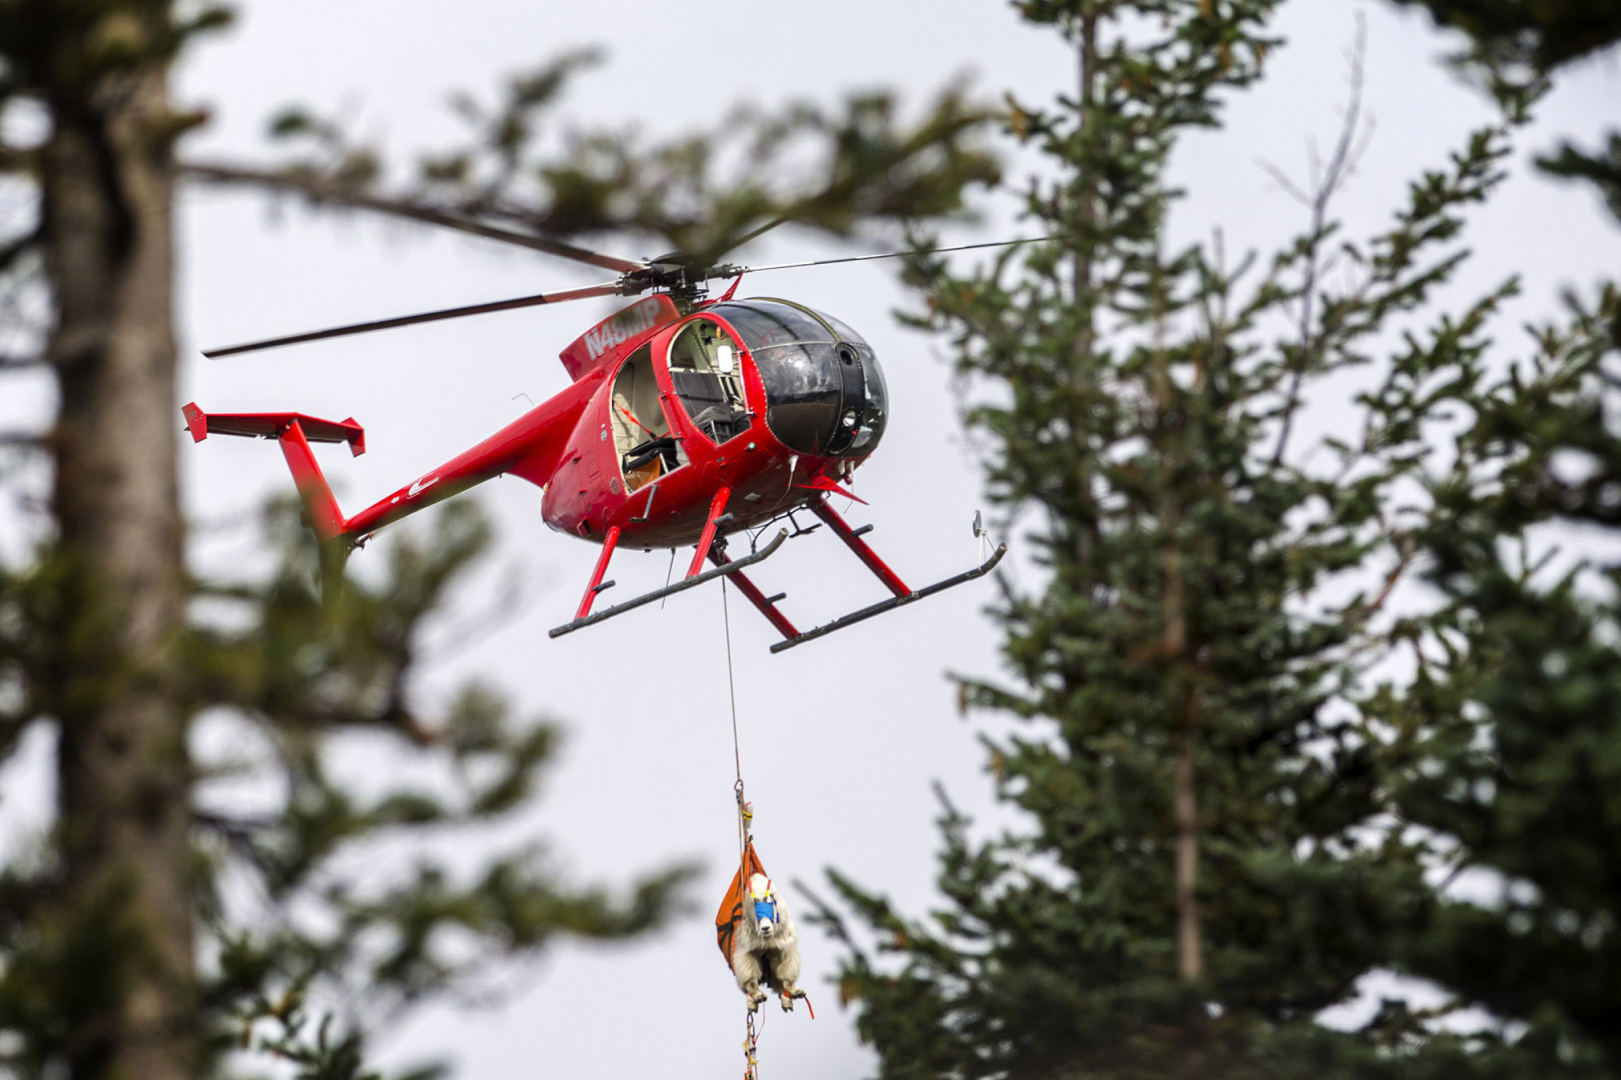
(679, 428)
(739, 410)
(765, 399)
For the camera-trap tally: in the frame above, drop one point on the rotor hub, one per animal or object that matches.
(678, 276)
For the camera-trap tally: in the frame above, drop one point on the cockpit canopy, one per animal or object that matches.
(825, 392)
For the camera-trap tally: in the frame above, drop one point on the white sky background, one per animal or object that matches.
(840, 738)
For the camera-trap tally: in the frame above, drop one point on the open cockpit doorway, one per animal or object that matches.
(646, 447)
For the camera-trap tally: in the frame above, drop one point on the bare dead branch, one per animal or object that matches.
(1326, 182)
(1281, 178)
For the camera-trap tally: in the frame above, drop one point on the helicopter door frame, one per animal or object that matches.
(697, 362)
(644, 434)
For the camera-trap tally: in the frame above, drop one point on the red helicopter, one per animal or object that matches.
(688, 420)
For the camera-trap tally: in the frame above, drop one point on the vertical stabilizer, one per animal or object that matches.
(325, 517)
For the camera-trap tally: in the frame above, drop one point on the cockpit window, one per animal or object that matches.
(765, 323)
(769, 323)
(825, 392)
(841, 328)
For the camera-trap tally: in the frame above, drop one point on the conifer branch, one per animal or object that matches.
(1365, 609)
(15, 249)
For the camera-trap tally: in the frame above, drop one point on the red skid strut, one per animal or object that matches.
(751, 592)
(596, 585)
(731, 567)
(867, 555)
(716, 506)
(902, 593)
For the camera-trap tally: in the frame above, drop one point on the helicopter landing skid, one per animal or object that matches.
(902, 593)
(684, 584)
(882, 606)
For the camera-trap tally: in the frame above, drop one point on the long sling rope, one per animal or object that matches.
(745, 815)
(745, 822)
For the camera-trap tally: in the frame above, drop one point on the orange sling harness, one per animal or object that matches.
(731, 906)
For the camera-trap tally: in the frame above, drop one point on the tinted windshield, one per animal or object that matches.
(825, 392)
(767, 324)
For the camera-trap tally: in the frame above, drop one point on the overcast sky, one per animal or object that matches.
(842, 738)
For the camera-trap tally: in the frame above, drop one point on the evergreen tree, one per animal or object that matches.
(1510, 741)
(126, 948)
(1210, 859)
(1514, 47)
(1510, 736)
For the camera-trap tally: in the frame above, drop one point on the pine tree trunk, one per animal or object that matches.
(1189, 949)
(107, 200)
(1184, 795)
(1184, 798)
(1087, 57)
(1085, 302)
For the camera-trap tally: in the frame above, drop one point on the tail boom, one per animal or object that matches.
(528, 447)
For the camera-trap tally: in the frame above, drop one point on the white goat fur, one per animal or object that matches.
(770, 958)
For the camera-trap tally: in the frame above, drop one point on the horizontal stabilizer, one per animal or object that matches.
(273, 426)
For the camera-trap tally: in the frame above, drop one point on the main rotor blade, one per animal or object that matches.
(321, 190)
(734, 271)
(610, 288)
